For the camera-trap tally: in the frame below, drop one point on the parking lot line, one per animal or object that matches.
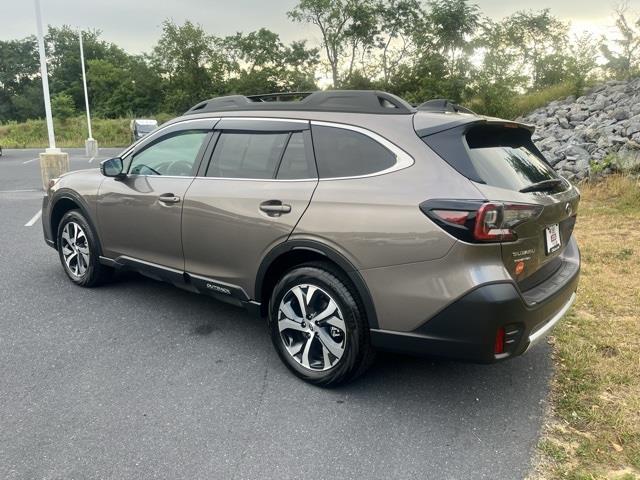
(34, 219)
(91, 159)
(29, 161)
(21, 191)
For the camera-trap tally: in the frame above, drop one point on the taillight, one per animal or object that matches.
(477, 221)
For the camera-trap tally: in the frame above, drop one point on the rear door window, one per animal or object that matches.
(297, 162)
(252, 155)
(346, 153)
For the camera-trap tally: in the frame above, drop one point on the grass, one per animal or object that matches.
(69, 133)
(528, 102)
(594, 427)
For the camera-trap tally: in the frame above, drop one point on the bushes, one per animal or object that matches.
(71, 132)
(506, 106)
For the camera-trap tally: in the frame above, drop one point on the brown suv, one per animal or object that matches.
(350, 219)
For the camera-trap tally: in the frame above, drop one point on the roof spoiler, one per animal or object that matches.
(443, 105)
(471, 121)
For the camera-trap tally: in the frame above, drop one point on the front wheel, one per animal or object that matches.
(79, 251)
(318, 326)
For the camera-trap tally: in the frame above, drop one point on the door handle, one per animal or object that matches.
(169, 198)
(274, 208)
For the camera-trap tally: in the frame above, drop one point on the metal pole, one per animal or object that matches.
(45, 78)
(84, 83)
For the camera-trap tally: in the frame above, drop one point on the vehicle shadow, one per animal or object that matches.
(211, 370)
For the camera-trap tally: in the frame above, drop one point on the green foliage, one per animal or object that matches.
(596, 168)
(582, 62)
(260, 62)
(191, 66)
(21, 93)
(70, 133)
(418, 49)
(538, 38)
(62, 106)
(518, 105)
(348, 28)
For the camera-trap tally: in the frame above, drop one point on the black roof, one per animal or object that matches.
(352, 101)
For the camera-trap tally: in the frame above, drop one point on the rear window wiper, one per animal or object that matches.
(543, 186)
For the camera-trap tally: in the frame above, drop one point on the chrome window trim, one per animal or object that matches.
(267, 119)
(403, 159)
(314, 179)
(160, 129)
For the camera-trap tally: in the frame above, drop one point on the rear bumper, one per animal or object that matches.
(466, 329)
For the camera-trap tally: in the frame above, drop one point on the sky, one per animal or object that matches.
(135, 25)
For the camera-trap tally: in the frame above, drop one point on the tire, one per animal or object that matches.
(329, 346)
(79, 251)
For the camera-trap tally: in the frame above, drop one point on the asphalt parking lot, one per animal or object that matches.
(138, 379)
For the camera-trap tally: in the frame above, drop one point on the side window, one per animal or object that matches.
(173, 155)
(247, 155)
(345, 153)
(296, 164)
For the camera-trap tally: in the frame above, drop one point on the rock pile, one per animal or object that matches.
(597, 132)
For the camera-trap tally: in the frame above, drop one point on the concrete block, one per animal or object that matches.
(91, 147)
(53, 163)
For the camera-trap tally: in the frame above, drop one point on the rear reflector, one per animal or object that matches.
(499, 345)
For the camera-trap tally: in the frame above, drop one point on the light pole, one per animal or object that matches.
(90, 145)
(45, 81)
(53, 162)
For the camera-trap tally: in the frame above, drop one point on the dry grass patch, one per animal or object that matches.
(594, 430)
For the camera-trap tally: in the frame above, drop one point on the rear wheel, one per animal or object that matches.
(318, 326)
(79, 251)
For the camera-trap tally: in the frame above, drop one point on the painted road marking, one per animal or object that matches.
(91, 159)
(34, 219)
(29, 161)
(21, 191)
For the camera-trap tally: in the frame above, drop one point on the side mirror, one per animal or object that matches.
(112, 168)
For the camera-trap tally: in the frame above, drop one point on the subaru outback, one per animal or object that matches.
(350, 220)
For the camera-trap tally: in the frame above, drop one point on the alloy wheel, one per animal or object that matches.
(75, 249)
(312, 327)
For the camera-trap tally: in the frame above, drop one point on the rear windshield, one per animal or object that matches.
(495, 155)
(505, 157)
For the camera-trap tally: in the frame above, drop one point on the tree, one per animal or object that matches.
(399, 22)
(62, 106)
(539, 38)
(63, 56)
(499, 77)
(444, 41)
(130, 89)
(20, 86)
(191, 67)
(345, 26)
(625, 62)
(582, 61)
(258, 62)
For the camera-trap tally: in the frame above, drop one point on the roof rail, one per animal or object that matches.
(443, 105)
(351, 101)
